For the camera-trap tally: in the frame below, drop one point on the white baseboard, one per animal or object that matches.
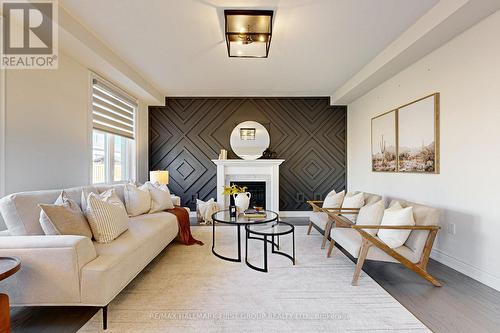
(285, 213)
(467, 269)
(296, 213)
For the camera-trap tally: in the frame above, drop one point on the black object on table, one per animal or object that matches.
(273, 230)
(224, 217)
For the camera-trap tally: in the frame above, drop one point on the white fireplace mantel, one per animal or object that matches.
(249, 170)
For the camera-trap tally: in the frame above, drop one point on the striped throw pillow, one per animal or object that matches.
(108, 220)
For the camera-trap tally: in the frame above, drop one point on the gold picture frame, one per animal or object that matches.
(384, 142)
(417, 140)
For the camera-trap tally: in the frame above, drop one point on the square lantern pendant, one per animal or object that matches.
(248, 32)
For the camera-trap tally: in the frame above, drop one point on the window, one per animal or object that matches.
(113, 135)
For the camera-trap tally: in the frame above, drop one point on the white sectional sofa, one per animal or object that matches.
(73, 270)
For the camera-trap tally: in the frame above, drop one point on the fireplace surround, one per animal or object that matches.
(236, 170)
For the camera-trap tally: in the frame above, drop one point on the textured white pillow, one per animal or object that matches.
(333, 199)
(353, 201)
(396, 215)
(137, 199)
(371, 215)
(85, 194)
(206, 209)
(160, 198)
(107, 219)
(64, 217)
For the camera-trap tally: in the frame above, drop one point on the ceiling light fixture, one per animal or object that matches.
(248, 32)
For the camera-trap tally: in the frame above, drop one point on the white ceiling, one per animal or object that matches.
(178, 45)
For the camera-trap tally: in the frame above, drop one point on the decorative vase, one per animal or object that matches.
(242, 201)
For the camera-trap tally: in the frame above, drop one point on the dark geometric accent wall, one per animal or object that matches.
(308, 133)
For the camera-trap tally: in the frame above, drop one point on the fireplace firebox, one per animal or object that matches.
(258, 191)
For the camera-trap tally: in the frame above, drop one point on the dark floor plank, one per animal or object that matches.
(50, 319)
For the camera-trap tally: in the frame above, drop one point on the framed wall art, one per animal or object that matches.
(407, 139)
(384, 142)
(418, 135)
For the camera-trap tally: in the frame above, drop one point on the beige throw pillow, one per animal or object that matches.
(64, 217)
(396, 215)
(137, 199)
(160, 197)
(333, 199)
(85, 194)
(353, 201)
(107, 218)
(205, 210)
(371, 215)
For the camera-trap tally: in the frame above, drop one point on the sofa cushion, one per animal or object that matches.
(333, 199)
(20, 211)
(160, 197)
(137, 199)
(120, 261)
(371, 215)
(350, 240)
(396, 215)
(423, 215)
(319, 219)
(353, 200)
(106, 215)
(64, 217)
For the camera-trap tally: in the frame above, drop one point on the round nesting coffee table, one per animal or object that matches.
(8, 267)
(224, 217)
(273, 230)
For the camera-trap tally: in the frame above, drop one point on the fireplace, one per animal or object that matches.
(257, 190)
(262, 172)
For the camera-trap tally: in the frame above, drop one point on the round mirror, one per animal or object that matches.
(249, 140)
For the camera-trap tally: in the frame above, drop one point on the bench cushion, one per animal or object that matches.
(350, 240)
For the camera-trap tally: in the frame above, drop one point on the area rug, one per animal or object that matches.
(188, 289)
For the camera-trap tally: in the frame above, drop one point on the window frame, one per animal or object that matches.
(109, 144)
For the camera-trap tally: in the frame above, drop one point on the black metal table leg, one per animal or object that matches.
(265, 253)
(274, 245)
(239, 245)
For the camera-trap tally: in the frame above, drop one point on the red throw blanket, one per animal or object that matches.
(184, 226)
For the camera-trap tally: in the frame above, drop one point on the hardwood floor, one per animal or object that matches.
(461, 305)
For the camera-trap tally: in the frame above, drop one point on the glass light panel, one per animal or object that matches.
(256, 49)
(242, 23)
(248, 32)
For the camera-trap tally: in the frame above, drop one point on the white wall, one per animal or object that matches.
(143, 143)
(47, 128)
(466, 71)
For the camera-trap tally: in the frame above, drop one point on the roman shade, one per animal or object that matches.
(112, 111)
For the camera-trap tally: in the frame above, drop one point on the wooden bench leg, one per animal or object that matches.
(330, 248)
(4, 314)
(423, 273)
(328, 228)
(365, 246)
(309, 228)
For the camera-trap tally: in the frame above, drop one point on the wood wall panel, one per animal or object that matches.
(308, 133)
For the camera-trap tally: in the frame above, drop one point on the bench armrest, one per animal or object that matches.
(398, 227)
